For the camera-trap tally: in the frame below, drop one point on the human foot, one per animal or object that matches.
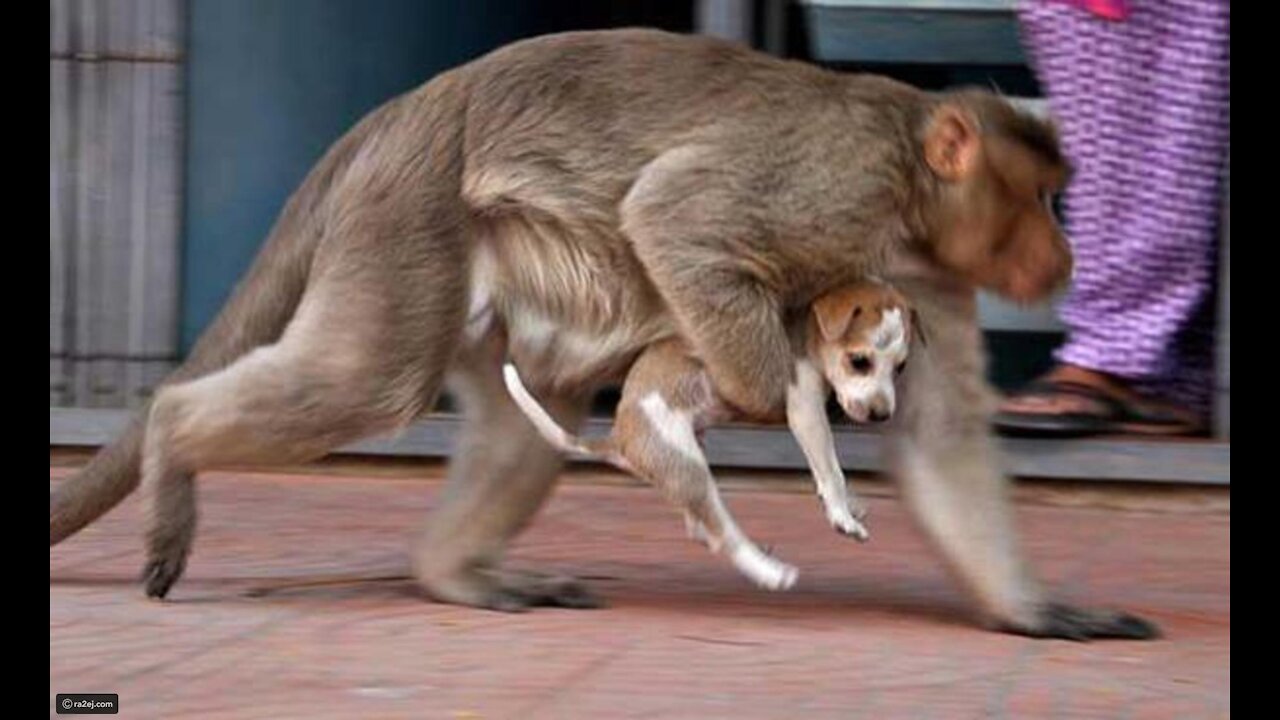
(1071, 401)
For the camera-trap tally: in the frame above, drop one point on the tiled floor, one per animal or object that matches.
(286, 612)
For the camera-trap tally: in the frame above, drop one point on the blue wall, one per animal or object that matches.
(271, 83)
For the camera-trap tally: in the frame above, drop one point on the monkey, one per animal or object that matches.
(564, 202)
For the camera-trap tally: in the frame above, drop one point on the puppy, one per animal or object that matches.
(853, 341)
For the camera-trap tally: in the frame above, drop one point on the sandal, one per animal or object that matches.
(1109, 415)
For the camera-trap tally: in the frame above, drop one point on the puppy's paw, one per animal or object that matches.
(849, 523)
(763, 570)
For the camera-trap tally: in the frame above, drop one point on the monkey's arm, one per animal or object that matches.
(807, 418)
(946, 462)
(702, 248)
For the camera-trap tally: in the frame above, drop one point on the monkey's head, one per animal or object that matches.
(859, 336)
(993, 174)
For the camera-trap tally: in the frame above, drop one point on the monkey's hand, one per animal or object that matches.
(736, 330)
(1056, 620)
(948, 466)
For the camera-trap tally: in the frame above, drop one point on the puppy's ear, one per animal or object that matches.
(834, 311)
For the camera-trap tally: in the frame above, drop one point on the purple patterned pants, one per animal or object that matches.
(1143, 107)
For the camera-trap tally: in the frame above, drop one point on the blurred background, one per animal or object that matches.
(178, 128)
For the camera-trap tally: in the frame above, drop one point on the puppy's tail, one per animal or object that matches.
(597, 450)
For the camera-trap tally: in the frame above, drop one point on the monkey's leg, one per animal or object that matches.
(277, 404)
(361, 356)
(501, 473)
(664, 450)
(685, 219)
(943, 456)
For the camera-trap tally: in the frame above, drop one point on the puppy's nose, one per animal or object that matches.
(877, 414)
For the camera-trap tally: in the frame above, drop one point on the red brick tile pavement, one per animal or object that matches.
(282, 615)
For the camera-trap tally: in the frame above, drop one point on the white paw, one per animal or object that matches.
(845, 523)
(767, 572)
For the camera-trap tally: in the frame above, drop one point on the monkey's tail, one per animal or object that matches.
(559, 438)
(257, 313)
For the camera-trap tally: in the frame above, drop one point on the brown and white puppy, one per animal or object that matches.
(854, 342)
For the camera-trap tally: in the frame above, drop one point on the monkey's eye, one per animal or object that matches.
(897, 370)
(861, 363)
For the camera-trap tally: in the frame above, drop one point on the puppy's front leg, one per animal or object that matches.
(807, 418)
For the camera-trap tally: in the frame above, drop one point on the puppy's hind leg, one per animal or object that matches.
(663, 448)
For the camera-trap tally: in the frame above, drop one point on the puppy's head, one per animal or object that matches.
(859, 336)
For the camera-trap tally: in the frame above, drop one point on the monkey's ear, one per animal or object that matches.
(834, 311)
(952, 142)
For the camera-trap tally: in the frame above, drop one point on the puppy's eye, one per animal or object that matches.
(860, 363)
(897, 370)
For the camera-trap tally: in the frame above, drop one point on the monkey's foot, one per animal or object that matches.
(506, 590)
(159, 575)
(166, 560)
(1056, 620)
(542, 590)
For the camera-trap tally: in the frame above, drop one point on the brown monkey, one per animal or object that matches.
(566, 201)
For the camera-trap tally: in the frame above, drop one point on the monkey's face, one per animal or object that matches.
(860, 345)
(993, 222)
